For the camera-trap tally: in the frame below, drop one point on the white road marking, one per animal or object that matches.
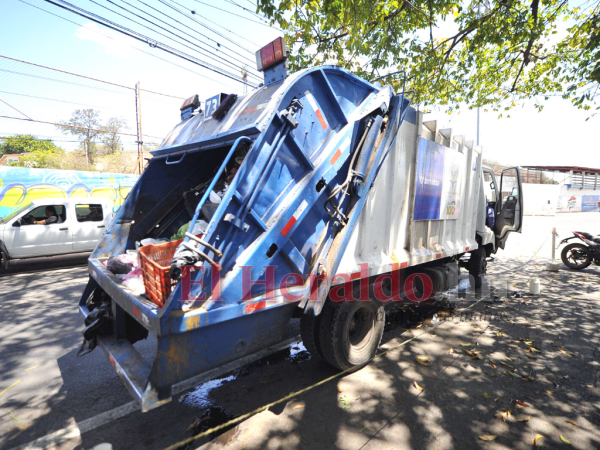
(75, 431)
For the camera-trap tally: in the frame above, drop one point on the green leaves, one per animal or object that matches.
(452, 53)
(26, 143)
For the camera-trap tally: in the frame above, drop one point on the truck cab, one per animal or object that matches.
(506, 201)
(81, 224)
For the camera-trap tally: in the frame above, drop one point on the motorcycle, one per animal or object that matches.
(579, 256)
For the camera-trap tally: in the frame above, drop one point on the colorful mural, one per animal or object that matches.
(19, 186)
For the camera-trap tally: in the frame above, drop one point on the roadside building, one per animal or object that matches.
(548, 190)
(5, 160)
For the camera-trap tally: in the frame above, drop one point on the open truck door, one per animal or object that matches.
(509, 206)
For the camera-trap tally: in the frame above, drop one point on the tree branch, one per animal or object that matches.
(526, 53)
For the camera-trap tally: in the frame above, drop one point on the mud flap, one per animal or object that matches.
(98, 320)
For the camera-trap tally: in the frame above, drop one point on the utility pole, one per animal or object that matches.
(138, 119)
(486, 8)
(478, 125)
(244, 77)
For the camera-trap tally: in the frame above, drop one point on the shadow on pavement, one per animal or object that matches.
(540, 350)
(45, 263)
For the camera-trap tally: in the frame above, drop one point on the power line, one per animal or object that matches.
(211, 21)
(73, 126)
(254, 13)
(143, 38)
(140, 37)
(164, 35)
(124, 143)
(153, 30)
(227, 62)
(238, 15)
(56, 100)
(60, 81)
(31, 137)
(207, 37)
(203, 24)
(15, 109)
(132, 46)
(231, 63)
(89, 78)
(64, 71)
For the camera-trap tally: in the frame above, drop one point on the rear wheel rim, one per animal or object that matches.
(577, 257)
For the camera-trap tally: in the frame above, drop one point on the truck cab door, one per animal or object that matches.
(509, 206)
(90, 225)
(31, 240)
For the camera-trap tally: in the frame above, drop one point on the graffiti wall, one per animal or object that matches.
(19, 186)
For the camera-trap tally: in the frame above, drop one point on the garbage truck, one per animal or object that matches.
(322, 196)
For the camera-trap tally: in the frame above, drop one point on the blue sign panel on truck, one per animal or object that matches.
(430, 174)
(440, 172)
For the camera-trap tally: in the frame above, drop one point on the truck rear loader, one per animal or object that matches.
(335, 198)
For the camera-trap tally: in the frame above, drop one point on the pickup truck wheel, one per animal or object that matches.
(3, 261)
(309, 331)
(478, 266)
(350, 332)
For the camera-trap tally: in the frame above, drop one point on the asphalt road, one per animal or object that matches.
(45, 387)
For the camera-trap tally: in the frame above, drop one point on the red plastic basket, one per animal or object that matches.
(155, 261)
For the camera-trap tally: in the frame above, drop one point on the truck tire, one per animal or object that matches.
(309, 331)
(350, 332)
(576, 256)
(478, 266)
(3, 261)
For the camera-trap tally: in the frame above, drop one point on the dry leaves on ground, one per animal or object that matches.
(565, 440)
(419, 388)
(487, 437)
(423, 360)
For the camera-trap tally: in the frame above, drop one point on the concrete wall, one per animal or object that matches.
(549, 199)
(540, 199)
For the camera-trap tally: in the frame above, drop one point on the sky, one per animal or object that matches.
(559, 135)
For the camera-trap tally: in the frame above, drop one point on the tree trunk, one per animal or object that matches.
(87, 154)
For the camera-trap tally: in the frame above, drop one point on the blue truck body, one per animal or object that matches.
(283, 220)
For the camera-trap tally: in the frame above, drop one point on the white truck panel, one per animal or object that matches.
(387, 234)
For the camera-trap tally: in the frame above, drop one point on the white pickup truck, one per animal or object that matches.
(78, 225)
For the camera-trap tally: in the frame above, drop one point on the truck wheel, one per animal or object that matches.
(309, 331)
(576, 256)
(478, 266)
(350, 332)
(3, 261)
